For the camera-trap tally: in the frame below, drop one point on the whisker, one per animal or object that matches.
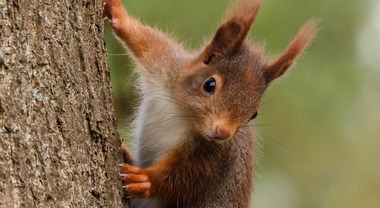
(117, 54)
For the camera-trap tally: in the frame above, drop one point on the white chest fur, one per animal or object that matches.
(159, 126)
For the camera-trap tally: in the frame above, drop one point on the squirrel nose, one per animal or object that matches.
(223, 132)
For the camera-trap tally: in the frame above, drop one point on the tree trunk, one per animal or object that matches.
(58, 141)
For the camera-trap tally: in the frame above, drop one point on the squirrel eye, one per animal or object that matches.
(254, 116)
(210, 85)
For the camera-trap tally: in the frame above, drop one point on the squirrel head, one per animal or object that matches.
(222, 88)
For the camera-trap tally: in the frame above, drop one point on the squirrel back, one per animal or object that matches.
(194, 144)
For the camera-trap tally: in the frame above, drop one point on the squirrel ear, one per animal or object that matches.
(231, 34)
(226, 40)
(305, 35)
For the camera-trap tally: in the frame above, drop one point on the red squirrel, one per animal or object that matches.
(194, 144)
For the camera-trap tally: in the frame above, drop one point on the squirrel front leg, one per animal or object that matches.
(149, 46)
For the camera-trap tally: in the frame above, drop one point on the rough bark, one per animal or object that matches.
(58, 141)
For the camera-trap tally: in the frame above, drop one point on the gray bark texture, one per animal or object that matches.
(58, 141)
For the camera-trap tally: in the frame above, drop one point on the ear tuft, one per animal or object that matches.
(305, 35)
(232, 33)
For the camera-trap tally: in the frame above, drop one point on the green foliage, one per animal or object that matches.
(319, 126)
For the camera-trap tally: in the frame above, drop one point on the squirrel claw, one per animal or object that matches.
(138, 190)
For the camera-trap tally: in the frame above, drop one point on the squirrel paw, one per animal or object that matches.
(113, 11)
(137, 181)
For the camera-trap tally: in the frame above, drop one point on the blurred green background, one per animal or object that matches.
(319, 128)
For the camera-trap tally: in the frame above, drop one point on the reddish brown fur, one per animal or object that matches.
(200, 171)
(193, 160)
